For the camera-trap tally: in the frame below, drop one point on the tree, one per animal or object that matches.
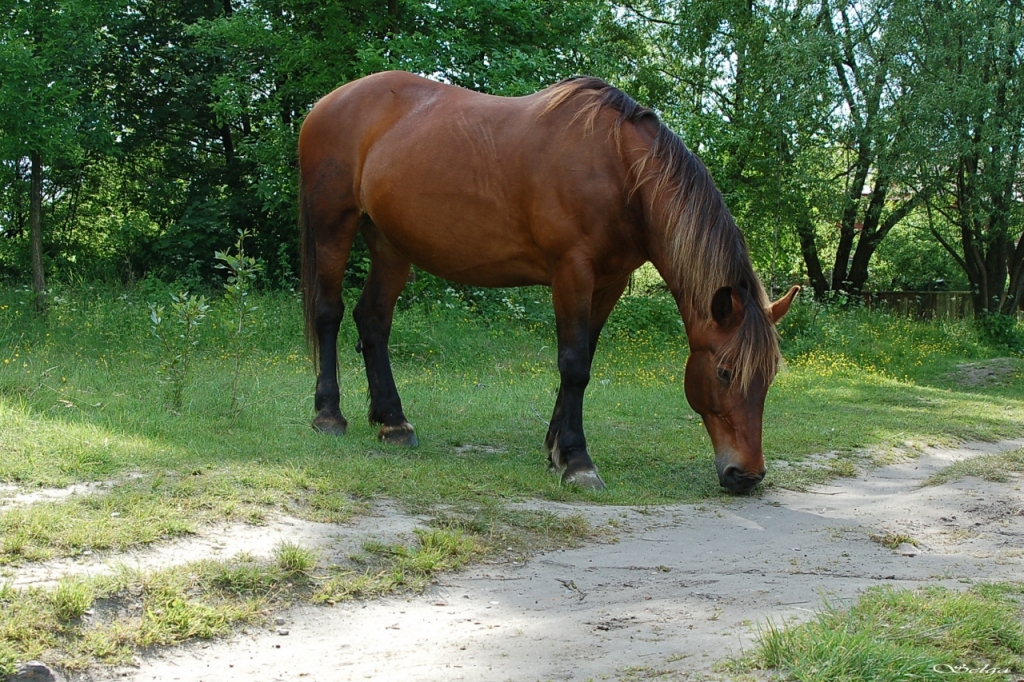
(49, 115)
(966, 59)
(798, 109)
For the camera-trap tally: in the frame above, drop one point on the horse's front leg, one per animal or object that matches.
(601, 304)
(571, 293)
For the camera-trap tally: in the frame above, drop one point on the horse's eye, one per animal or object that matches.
(724, 374)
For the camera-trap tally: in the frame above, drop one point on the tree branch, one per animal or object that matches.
(647, 17)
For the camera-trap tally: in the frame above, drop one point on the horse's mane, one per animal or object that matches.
(705, 247)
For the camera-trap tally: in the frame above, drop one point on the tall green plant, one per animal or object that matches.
(242, 273)
(178, 344)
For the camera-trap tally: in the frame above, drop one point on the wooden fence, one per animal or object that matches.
(925, 305)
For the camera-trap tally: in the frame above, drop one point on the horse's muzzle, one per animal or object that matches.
(735, 481)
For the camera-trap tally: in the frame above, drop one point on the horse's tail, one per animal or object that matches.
(310, 292)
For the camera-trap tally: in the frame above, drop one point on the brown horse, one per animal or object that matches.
(573, 187)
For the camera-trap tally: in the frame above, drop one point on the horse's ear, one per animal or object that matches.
(726, 307)
(779, 309)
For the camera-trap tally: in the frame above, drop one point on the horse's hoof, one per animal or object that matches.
(403, 434)
(584, 478)
(330, 424)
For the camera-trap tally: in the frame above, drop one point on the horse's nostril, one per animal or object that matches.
(735, 481)
(730, 473)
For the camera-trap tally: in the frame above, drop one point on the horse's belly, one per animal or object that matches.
(476, 250)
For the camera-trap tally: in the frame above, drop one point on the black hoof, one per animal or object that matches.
(403, 434)
(584, 478)
(331, 424)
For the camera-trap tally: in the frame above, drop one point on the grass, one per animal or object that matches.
(81, 401)
(892, 634)
(392, 569)
(994, 467)
(108, 619)
(893, 540)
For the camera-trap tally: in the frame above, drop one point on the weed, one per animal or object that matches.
(893, 540)
(294, 559)
(242, 273)
(178, 345)
(71, 599)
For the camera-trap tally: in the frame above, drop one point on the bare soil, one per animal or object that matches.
(672, 591)
(987, 372)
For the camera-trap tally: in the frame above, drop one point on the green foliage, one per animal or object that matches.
(242, 273)
(896, 345)
(167, 127)
(179, 343)
(1002, 331)
(653, 315)
(910, 259)
(966, 64)
(71, 599)
(528, 305)
(891, 635)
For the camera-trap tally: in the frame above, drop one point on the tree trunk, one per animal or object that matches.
(35, 220)
(809, 250)
(988, 280)
(1015, 290)
(870, 238)
(848, 223)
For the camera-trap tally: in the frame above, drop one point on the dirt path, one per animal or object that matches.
(677, 589)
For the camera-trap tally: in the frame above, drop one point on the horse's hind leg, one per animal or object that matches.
(333, 241)
(373, 315)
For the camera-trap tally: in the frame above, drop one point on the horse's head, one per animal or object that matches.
(731, 406)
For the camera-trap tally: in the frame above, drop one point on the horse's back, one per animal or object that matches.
(476, 188)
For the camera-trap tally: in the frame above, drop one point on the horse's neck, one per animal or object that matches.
(657, 238)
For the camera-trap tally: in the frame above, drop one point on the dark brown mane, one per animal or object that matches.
(705, 247)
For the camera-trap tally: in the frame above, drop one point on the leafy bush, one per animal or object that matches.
(1002, 331)
(178, 345)
(854, 337)
(653, 314)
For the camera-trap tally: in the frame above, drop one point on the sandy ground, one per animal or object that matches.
(674, 590)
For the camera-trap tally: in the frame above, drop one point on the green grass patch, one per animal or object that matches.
(162, 506)
(109, 619)
(994, 467)
(895, 635)
(395, 568)
(81, 399)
